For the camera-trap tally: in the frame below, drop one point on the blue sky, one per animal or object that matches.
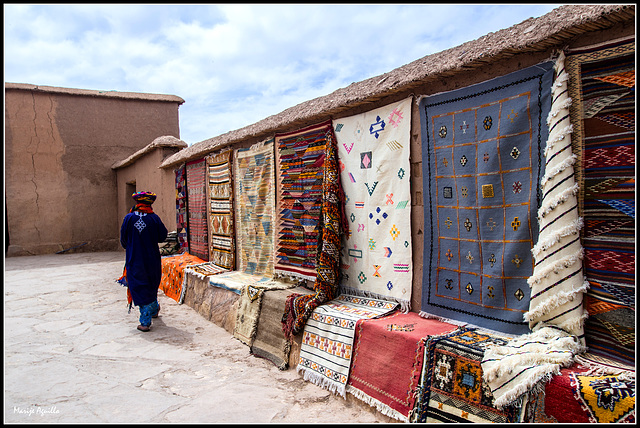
(234, 64)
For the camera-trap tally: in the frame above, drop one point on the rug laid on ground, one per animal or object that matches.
(269, 341)
(254, 186)
(451, 386)
(387, 360)
(300, 158)
(249, 308)
(574, 396)
(327, 339)
(181, 208)
(373, 151)
(197, 209)
(220, 210)
(604, 117)
(235, 280)
(172, 282)
(298, 308)
(556, 314)
(481, 160)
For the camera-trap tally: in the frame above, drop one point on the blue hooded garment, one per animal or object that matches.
(140, 235)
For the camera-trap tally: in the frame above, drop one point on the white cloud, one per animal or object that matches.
(234, 64)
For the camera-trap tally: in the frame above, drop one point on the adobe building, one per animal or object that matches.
(61, 192)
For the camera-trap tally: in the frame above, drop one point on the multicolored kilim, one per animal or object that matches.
(451, 385)
(387, 360)
(604, 86)
(254, 185)
(575, 396)
(172, 282)
(482, 162)
(298, 308)
(373, 151)
(221, 227)
(300, 158)
(181, 208)
(197, 205)
(327, 340)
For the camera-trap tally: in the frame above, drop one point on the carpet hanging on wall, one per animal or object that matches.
(327, 231)
(181, 208)
(603, 117)
(373, 152)
(327, 339)
(481, 160)
(254, 186)
(197, 208)
(387, 360)
(220, 210)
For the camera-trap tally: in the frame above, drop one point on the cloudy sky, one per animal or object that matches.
(234, 64)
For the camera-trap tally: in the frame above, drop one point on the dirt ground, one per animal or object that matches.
(72, 354)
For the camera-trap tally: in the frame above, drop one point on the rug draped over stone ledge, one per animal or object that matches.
(327, 340)
(197, 209)
(269, 341)
(451, 385)
(373, 153)
(387, 360)
(603, 116)
(220, 210)
(172, 282)
(481, 160)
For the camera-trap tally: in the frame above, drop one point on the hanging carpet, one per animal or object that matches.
(197, 209)
(220, 210)
(181, 208)
(373, 153)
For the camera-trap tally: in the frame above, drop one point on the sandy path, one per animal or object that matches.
(73, 355)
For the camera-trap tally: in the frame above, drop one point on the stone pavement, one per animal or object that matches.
(72, 354)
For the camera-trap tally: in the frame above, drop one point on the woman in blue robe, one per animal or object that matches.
(141, 232)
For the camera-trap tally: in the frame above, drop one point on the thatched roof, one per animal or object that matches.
(164, 141)
(532, 35)
(95, 93)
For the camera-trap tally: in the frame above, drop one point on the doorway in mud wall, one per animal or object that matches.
(130, 189)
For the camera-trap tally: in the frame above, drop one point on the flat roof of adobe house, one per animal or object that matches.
(94, 93)
(164, 141)
(532, 35)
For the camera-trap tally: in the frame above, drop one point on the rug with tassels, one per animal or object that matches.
(373, 151)
(327, 339)
(269, 341)
(387, 360)
(220, 210)
(197, 209)
(451, 386)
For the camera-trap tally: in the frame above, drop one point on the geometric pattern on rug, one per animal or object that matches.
(574, 396)
(451, 385)
(181, 207)
(172, 282)
(481, 161)
(373, 151)
(254, 185)
(300, 159)
(220, 208)
(327, 340)
(197, 209)
(604, 107)
(387, 360)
